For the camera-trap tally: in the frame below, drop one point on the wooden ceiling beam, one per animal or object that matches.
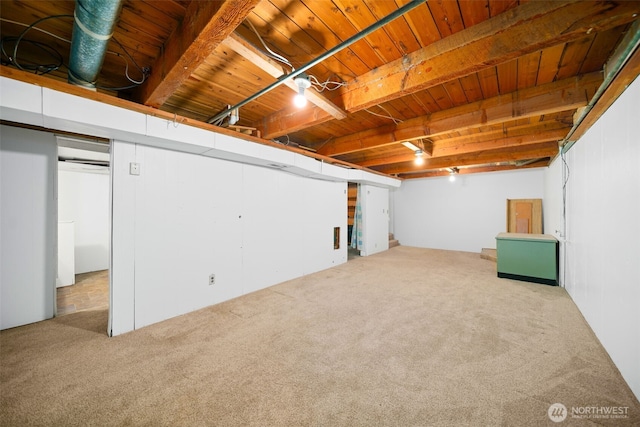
(626, 76)
(509, 154)
(550, 98)
(559, 123)
(482, 143)
(250, 53)
(479, 169)
(515, 141)
(290, 120)
(528, 28)
(205, 25)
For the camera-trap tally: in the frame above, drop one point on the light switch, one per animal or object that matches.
(134, 168)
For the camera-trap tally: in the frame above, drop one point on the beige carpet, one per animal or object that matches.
(409, 337)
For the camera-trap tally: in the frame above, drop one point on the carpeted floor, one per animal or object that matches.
(408, 337)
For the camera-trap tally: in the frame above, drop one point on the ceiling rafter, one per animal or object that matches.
(525, 29)
(481, 144)
(205, 25)
(564, 95)
(463, 82)
(253, 55)
(528, 28)
(508, 154)
(477, 169)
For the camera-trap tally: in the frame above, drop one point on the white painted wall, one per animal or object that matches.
(552, 211)
(375, 219)
(603, 231)
(465, 215)
(28, 226)
(187, 216)
(83, 197)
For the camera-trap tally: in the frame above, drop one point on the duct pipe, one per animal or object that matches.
(93, 26)
(370, 29)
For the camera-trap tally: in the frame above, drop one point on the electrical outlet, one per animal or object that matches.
(134, 168)
(212, 279)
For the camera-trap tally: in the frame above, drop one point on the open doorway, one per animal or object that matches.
(82, 282)
(352, 198)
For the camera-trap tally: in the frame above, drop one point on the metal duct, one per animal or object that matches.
(93, 27)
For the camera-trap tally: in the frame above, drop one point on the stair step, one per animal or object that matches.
(393, 243)
(391, 236)
(490, 254)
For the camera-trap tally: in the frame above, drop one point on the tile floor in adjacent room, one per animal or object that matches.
(90, 292)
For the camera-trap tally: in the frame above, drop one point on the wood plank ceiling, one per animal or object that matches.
(477, 85)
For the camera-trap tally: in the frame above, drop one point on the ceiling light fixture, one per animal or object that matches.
(234, 116)
(411, 146)
(452, 174)
(419, 158)
(356, 37)
(303, 83)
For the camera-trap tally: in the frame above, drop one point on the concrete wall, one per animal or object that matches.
(28, 226)
(464, 215)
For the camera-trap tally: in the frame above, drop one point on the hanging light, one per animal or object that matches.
(234, 116)
(302, 81)
(452, 174)
(419, 158)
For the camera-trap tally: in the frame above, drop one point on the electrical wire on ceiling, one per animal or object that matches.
(297, 74)
(290, 143)
(322, 86)
(145, 71)
(384, 116)
(11, 58)
(329, 84)
(280, 142)
(271, 54)
(38, 68)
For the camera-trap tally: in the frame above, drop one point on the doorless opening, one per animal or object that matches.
(82, 282)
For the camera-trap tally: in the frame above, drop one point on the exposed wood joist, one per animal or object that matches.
(559, 124)
(43, 81)
(528, 28)
(564, 95)
(625, 77)
(482, 143)
(246, 50)
(509, 154)
(525, 29)
(205, 25)
(454, 78)
(479, 169)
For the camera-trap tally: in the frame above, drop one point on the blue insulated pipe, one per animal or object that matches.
(93, 26)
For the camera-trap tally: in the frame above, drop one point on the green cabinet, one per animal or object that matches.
(528, 257)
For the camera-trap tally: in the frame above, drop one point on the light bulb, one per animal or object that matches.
(234, 116)
(300, 100)
(303, 83)
(452, 177)
(419, 159)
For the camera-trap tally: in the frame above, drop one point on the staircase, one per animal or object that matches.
(392, 241)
